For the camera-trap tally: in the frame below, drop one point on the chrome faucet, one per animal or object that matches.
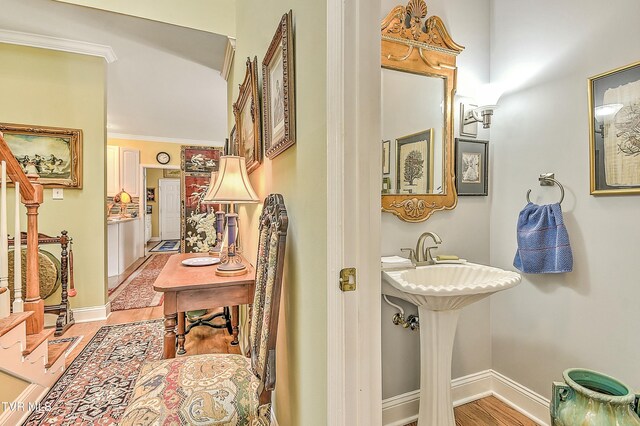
(422, 255)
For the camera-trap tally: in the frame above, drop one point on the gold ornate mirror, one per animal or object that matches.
(418, 86)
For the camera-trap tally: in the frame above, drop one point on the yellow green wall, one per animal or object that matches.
(149, 150)
(153, 175)
(214, 16)
(50, 88)
(299, 174)
(10, 388)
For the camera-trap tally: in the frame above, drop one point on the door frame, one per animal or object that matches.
(160, 205)
(354, 366)
(142, 209)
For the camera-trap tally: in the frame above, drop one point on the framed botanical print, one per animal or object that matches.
(54, 153)
(278, 91)
(414, 163)
(247, 116)
(614, 132)
(472, 167)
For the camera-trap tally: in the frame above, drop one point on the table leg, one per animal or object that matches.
(235, 321)
(181, 333)
(169, 336)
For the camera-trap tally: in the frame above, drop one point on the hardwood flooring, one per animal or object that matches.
(489, 411)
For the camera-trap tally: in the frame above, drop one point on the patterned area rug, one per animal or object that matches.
(165, 246)
(73, 339)
(96, 387)
(137, 291)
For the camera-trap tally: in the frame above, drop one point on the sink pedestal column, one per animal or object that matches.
(437, 332)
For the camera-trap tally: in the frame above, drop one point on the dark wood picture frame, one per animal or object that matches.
(246, 111)
(279, 108)
(472, 167)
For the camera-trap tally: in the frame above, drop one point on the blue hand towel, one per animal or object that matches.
(543, 241)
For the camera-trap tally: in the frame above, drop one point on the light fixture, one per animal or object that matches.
(487, 97)
(123, 198)
(604, 111)
(231, 187)
(480, 114)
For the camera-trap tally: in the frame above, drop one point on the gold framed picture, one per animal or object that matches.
(247, 117)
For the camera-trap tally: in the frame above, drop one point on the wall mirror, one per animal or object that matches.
(418, 85)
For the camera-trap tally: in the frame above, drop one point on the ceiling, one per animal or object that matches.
(166, 82)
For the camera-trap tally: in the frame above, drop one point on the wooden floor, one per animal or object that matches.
(489, 411)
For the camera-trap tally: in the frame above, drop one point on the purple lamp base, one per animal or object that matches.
(232, 265)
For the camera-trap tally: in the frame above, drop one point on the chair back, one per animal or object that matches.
(268, 284)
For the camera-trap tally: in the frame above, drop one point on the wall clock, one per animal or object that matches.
(163, 157)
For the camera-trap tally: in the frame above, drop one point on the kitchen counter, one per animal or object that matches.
(111, 221)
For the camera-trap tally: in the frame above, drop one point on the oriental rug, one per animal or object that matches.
(137, 291)
(166, 246)
(96, 387)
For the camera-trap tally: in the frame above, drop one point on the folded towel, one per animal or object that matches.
(543, 241)
(395, 263)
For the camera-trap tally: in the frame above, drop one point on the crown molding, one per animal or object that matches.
(229, 53)
(145, 138)
(60, 44)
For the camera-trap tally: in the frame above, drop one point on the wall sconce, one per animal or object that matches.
(604, 111)
(487, 96)
(480, 114)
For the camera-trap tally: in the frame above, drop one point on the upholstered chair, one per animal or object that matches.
(223, 389)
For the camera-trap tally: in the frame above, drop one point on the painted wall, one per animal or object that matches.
(299, 175)
(10, 389)
(206, 15)
(44, 87)
(464, 231)
(153, 175)
(149, 150)
(545, 51)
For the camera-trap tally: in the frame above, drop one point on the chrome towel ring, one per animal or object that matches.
(548, 179)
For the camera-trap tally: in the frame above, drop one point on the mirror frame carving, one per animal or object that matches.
(409, 43)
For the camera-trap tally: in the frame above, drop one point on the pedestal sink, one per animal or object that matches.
(440, 291)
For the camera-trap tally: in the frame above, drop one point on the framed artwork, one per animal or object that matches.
(472, 167)
(386, 157)
(246, 111)
(151, 194)
(54, 153)
(386, 185)
(233, 142)
(197, 218)
(414, 163)
(200, 159)
(278, 91)
(171, 173)
(614, 132)
(149, 209)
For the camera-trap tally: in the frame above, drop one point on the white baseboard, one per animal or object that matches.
(16, 416)
(92, 313)
(403, 409)
(154, 239)
(274, 421)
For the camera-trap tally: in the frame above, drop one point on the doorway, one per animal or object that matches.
(160, 208)
(169, 206)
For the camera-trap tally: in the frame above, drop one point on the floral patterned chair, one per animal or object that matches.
(223, 389)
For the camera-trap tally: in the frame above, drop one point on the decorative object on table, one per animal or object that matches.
(201, 261)
(163, 157)
(123, 198)
(151, 194)
(199, 159)
(614, 133)
(197, 218)
(166, 246)
(278, 91)
(232, 187)
(414, 163)
(472, 167)
(105, 365)
(386, 157)
(590, 398)
(137, 290)
(171, 173)
(53, 153)
(246, 111)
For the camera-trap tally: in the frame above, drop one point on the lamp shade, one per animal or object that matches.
(232, 184)
(212, 183)
(122, 197)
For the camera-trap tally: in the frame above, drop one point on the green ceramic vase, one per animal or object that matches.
(588, 398)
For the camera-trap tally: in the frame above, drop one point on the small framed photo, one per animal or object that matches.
(171, 173)
(386, 185)
(278, 91)
(149, 209)
(472, 167)
(246, 111)
(386, 157)
(151, 194)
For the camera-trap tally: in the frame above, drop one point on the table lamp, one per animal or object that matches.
(231, 187)
(123, 198)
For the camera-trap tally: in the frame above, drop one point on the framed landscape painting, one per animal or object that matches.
(247, 117)
(53, 153)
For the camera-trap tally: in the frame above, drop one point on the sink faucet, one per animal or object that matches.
(422, 255)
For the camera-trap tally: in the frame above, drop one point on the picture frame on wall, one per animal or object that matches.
(614, 133)
(151, 194)
(171, 173)
(246, 111)
(386, 157)
(199, 159)
(198, 233)
(414, 163)
(233, 142)
(278, 91)
(472, 167)
(54, 153)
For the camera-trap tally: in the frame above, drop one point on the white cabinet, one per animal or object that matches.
(123, 244)
(130, 171)
(113, 170)
(113, 247)
(147, 228)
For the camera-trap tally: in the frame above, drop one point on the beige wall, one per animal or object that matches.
(153, 175)
(149, 150)
(49, 88)
(298, 174)
(10, 388)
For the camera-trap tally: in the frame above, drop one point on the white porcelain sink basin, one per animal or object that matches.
(449, 286)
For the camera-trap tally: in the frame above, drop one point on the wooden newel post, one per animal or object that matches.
(33, 302)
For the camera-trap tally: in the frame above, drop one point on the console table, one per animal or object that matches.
(189, 288)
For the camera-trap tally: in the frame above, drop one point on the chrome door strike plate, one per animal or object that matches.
(348, 279)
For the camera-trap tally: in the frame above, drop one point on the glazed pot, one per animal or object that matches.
(588, 398)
